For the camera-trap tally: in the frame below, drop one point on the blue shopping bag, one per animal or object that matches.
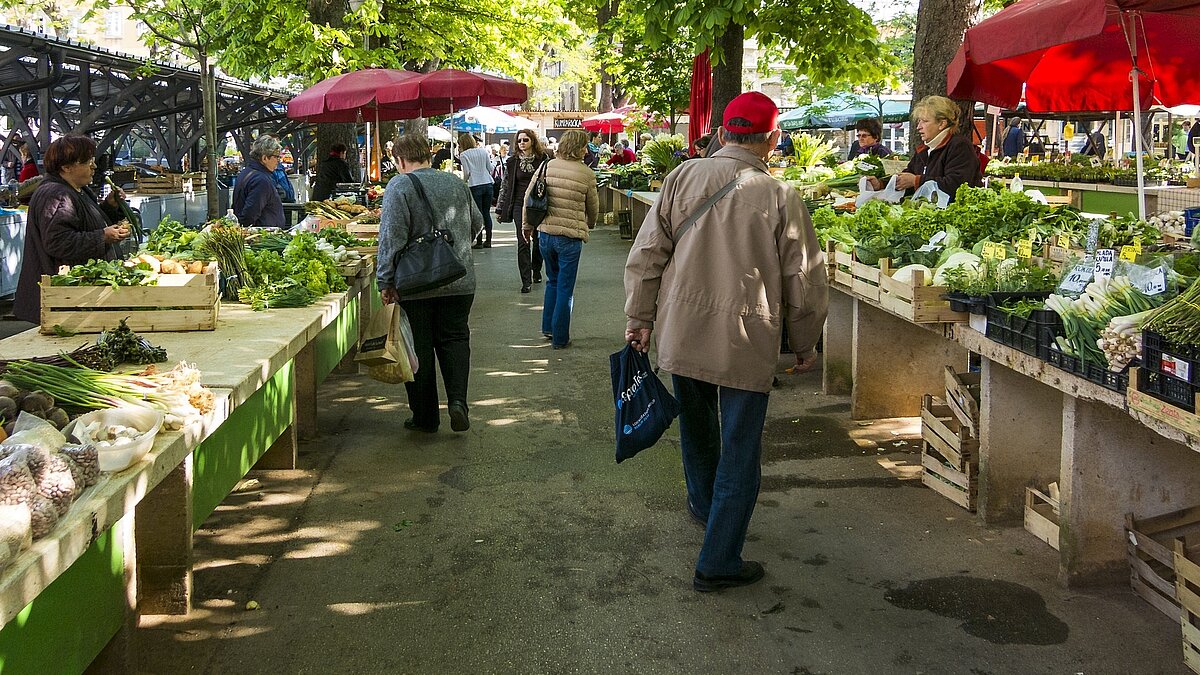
(644, 406)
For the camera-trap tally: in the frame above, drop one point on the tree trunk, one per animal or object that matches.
(419, 125)
(604, 13)
(727, 75)
(208, 96)
(940, 28)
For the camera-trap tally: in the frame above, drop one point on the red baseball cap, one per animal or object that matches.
(753, 107)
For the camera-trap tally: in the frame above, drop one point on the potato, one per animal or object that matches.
(150, 260)
(195, 267)
(173, 267)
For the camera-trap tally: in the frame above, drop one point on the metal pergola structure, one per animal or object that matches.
(51, 85)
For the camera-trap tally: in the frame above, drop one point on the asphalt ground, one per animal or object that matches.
(521, 547)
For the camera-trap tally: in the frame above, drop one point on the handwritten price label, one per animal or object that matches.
(995, 251)
(1078, 279)
(1130, 253)
(1024, 248)
(1157, 283)
(1064, 241)
(1106, 259)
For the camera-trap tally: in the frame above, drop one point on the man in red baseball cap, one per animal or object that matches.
(724, 257)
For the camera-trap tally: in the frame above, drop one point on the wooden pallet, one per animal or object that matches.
(913, 301)
(1187, 589)
(1149, 544)
(180, 302)
(1158, 409)
(949, 454)
(1042, 516)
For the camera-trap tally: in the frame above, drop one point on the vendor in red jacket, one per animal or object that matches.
(622, 154)
(945, 156)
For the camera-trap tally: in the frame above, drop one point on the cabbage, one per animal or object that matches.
(956, 260)
(905, 274)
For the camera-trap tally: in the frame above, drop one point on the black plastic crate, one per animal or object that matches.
(1032, 335)
(1170, 389)
(1182, 362)
(1093, 373)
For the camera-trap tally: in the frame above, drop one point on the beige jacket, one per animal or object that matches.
(718, 301)
(574, 203)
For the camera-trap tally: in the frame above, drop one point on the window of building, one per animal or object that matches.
(113, 23)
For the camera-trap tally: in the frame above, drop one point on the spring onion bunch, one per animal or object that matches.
(1085, 318)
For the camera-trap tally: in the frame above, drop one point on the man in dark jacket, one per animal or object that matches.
(1014, 138)
(332, 170)
(256, 203)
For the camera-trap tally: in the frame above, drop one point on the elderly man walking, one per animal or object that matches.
(723, 259)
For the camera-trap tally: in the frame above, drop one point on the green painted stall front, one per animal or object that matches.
(336, 340)
(73, 618)
(231, 451)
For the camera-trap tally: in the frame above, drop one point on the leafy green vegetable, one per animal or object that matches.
(114, 273)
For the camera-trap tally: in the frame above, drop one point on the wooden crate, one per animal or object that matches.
(949, 454)
(1151, 558)
(168, 183)
(962, 395)
(913, 301)
(1042, 516)
(362, 230)
(1159, 409)
(180, 302)
(1187, 589)
(360, 268)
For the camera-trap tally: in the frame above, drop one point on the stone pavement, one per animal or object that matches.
(521, 547)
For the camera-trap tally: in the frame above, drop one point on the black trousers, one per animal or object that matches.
(529, 256)
(439, 327)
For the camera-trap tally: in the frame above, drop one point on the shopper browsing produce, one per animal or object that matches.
(255, 200)
(66, 225)
(945, 157)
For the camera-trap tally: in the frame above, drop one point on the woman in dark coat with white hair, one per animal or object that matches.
(256, 203)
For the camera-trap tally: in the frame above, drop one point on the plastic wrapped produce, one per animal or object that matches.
(16, 531)
(43, 516)
(87, 459)
(52, 471)
(16, 482)
(32, 430)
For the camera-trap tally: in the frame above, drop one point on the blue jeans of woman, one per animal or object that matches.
(562, 267)
(483, 199)
(720, 433)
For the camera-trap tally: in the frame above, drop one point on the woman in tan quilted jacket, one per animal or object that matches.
(571, 187)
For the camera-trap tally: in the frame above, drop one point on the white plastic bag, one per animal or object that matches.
(889, 193)
(929, 190)
(33, 430)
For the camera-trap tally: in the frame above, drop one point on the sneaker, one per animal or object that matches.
(412, 425)
(458, 416)
(750, 573)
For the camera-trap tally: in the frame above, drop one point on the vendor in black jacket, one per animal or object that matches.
(255, 201)
(332, 170)
(945, 156)
(66, 225)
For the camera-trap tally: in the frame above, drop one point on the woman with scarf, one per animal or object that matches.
(945, 156)
(66, 225)
(518, 174)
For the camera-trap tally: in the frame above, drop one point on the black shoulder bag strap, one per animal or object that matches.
(428, 209)
(742, 177)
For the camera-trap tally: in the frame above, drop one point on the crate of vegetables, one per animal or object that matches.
(904, 292)
(152, 294)
(1023, 326)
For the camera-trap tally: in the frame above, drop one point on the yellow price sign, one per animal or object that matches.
(993, 251)
(1024, 248)
(1064, 241)
(1130, 253)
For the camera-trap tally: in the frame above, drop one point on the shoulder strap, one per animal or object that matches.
(742, 177)
(424, 199)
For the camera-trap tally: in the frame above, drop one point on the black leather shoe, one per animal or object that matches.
(695, 515)
(458, 416)
(751, 572)
(413, 426)
(537, 279)
(526, 288)
(561, 346)
(477, 245)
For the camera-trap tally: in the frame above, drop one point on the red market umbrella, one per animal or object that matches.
(352, 97)
(700, 109)
(444, 92)
(1083, 55)
(612, 122)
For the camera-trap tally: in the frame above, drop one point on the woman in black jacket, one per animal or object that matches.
(945, 156)
(518, 174)
(66, 225)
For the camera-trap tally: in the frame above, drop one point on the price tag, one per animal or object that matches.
(1064, 241)
(1130, 253)
(1106, 259)
(993, 251)
(1156, 284)
(1078, 278)
(1093, 235)
(1095, 161)
(1024, 248)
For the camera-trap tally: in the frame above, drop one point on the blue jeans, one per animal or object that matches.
(562, 266)
(483, 199)
(720, 432)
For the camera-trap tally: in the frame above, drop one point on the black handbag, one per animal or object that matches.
(537, 204)
(428, 261)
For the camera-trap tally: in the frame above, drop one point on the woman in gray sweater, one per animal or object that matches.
(439, 316)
